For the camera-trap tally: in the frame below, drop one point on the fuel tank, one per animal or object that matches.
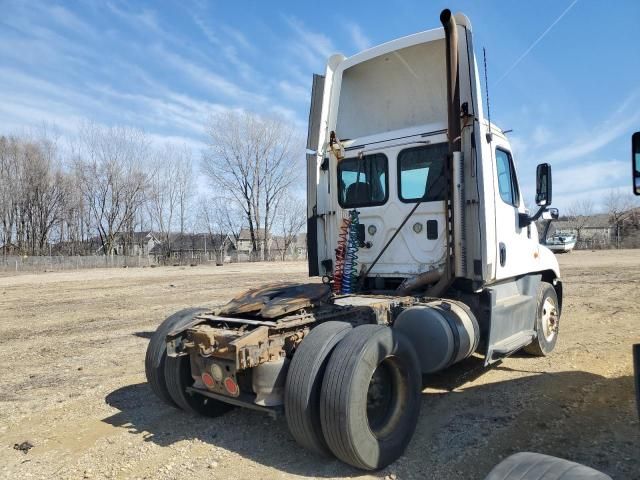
(443, 332)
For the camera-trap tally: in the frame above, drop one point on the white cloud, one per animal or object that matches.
(213, 82)
(359, 39)
(541, 135)
(296, 93)
(311, 47)
(589, 177)
(145, 18)
(622, 121)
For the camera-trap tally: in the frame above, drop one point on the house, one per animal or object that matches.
(198, 246)
(135, 243)
(244, 245)
(296, 250)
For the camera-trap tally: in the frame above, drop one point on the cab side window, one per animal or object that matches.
(507, 182)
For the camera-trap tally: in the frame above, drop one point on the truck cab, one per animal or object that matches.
(379, 143)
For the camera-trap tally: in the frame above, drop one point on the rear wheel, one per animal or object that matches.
(155, 359)
(370, 399)
(547, 321)
(304, 381)
(177, 374)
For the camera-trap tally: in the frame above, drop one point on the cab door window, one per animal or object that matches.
(507, 181)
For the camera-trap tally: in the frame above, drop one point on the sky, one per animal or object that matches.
(564, 75)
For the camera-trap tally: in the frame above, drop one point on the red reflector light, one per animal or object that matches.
(231, 386)
(208, 380)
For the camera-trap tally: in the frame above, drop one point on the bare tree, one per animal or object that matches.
(222, 219)
(580, 212)
(292, 217)
(184, 183)
(617, 205)
(33, 193)
(254, 160)
(110, 168)
(162, 194)
(9, 168)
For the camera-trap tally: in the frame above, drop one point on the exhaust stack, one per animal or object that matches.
(455, 146)
(453, 91)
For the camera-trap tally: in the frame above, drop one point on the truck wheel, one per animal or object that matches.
(370, 398)
(177, 374)
(304, 381)
(547, 321)
(155, 358)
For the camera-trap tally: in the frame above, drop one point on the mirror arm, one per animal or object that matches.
(525, 220)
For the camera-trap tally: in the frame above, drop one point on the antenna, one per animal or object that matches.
(486, 88)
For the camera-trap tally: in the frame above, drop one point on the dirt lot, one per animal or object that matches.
(72, 384)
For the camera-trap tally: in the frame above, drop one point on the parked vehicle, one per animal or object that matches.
(561, 243)
(417, 225)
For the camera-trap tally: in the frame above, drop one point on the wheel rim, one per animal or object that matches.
(386, 397)
(549, 319)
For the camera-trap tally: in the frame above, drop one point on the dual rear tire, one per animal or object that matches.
(362, 401)
(350, 392)
(169, 377)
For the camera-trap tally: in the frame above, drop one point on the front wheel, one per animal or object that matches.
(370, 397)
(547, 321)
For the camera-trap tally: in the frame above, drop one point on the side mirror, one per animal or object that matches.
(635, 162)
(543, 185)
(550, 214)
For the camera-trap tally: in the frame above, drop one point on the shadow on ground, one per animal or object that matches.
(146, 335)
(460, 434)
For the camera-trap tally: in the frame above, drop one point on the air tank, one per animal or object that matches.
(443, 332)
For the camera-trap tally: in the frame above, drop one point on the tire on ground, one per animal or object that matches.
(368, 420)
(156, 355)
(177, 374)
(543, 344)
(304, 382)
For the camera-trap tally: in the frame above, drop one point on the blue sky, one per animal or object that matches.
(573, 100)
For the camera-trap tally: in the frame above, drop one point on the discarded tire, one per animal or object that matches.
(370, 398)
(304, 382)
(155, 359)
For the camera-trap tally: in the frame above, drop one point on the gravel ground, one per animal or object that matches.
(72, 384)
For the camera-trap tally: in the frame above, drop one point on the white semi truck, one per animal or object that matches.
(417, 226)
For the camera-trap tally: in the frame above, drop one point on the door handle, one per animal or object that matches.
(503, 254)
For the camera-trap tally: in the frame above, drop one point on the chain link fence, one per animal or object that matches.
(14, 263)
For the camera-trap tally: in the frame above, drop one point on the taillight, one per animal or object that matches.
(208, 380)
(231, 386)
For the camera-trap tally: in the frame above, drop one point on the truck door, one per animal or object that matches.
(514, 246)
